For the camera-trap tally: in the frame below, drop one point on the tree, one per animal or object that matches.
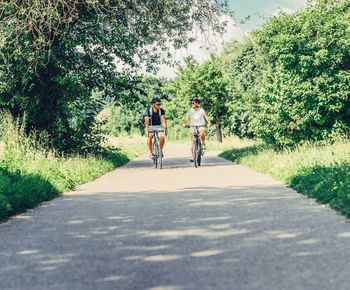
(211, 89)
(203, 81)
(54, 54)
(307, 91)
(127, 115)
(288, 83)
(243, 71)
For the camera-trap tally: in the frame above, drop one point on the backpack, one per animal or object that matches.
(150, 110)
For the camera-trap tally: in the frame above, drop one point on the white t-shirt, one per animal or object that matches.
(196, 117)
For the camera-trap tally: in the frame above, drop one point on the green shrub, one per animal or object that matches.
(305, 95)
(244, 70)
(316, 170)
(327, 184)
(31, 173)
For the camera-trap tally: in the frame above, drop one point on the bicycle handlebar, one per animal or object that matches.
(189, 126)
(156, 131)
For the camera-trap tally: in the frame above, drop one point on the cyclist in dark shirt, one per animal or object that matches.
(155, 120)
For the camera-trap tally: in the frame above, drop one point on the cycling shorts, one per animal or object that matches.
(201, 127)
(158, 128)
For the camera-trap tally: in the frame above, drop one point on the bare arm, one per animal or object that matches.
(206, 117)
(185, 120)
(164, 123)
(147, 125)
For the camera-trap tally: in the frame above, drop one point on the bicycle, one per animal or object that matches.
(197, 149)
(157, 154)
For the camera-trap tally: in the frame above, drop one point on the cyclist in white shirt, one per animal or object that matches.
(197, 117)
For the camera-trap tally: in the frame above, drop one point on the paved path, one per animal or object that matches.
(221, 226)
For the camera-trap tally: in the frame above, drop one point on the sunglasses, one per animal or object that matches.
(194, 103)
(157, 104)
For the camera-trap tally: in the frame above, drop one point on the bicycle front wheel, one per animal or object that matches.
(199, 155)
(155, 162)
(160, 160)
(194, 153)
(155, 156)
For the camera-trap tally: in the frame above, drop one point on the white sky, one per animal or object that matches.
(202, 48)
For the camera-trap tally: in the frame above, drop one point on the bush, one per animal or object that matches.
(31, 172)
(305, 95)
(327, 184)
(243, 72)
(320, 171)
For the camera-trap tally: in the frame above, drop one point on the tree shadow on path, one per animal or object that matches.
(262, 237)
(178, 162)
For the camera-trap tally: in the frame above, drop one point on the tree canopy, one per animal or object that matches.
(286, 83)
(54, 54)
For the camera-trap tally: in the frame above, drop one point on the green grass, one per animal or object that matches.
(30, 173)
(228, 143)
(318, 171)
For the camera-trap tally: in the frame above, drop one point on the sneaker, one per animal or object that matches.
(151, 156)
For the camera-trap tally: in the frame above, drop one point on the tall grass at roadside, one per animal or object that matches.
(31, 172)
(318, 171)
(228, 143)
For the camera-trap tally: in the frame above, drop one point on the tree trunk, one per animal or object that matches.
(218, 129)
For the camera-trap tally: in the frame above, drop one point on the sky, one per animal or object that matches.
(256, 10)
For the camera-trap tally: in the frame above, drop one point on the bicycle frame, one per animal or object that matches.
(196, 147)
(156, 150)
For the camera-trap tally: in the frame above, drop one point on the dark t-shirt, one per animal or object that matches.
(155, 120)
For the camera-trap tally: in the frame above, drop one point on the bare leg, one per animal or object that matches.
(162, 142)
(192, 138)
(149, 144)
(202, 135)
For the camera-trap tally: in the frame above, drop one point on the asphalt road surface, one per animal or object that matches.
(220, 226)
